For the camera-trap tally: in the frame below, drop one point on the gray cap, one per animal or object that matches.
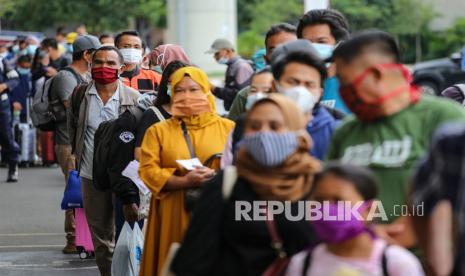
(86, 42)
(299, 45)
(218, 44)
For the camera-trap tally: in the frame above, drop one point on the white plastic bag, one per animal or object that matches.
(121, 265)
(137, 247)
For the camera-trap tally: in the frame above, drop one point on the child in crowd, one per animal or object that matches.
(348, 246)
(22, 92)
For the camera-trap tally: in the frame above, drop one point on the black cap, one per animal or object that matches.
(299, 45)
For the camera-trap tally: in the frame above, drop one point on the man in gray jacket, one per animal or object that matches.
(237, 75)
(105, 98)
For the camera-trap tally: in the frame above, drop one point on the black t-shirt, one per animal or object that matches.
(148, 119)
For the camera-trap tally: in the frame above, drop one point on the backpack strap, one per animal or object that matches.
(77, 97)
(229, 180)
(307, 262)
(158, 113)
(78, 78)
(188, 139)
(384, 266)
(137, 112)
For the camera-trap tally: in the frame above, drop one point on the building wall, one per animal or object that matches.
(448, 11)
(195, 24)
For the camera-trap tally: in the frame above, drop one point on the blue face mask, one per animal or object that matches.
(271, 149)
(157, 68)
(324, 50)
(223, 60)
(23, 71)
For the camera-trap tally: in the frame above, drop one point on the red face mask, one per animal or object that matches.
(371, 110)
(104, 75)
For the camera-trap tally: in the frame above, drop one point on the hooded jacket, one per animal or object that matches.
(321, 129)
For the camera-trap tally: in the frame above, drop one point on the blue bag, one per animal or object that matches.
(72, 198)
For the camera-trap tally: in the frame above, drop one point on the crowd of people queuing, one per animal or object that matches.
(331, 117)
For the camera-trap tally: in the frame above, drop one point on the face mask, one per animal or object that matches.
(339, 230)
(188, 104)
(271, 149)
(371, 110)
(157, 69)
(69, 48)
(131, 55)
(223, 60)
(253, 99)
(23, 71)
(302, 97)
(104, 75)
(324, 50)
(22, 52)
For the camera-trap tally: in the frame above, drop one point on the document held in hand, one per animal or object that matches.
(132, 172)
(190, 164)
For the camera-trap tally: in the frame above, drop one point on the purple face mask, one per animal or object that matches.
(336, 231)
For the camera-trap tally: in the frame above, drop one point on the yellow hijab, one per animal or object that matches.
(201, 78)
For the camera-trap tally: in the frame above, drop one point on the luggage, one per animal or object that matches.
(25, 136)
(48, 149)
(84, 243)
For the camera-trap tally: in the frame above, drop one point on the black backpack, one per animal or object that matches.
(46, 112)
(103, 139)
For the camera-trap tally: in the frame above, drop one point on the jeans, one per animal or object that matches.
(10, 149)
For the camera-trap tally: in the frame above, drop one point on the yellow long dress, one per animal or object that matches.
(163, 144)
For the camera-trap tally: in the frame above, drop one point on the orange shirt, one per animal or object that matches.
(146, 81)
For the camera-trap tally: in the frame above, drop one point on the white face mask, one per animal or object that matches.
(131, 55)
(324, 50)
(301, 95)
(252, 99)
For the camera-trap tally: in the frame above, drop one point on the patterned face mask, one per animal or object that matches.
(271, 149)
(371, 110)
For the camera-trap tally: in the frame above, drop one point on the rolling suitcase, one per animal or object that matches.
(48, 150)
(84, 243)
(25, 136)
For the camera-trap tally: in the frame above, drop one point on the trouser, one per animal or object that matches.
(119, 219)
(98, 206)
(67, 163)
(10, 150)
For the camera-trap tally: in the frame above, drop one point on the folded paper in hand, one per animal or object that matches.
(190, 164)
(132, 172)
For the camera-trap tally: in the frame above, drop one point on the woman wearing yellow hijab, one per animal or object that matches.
(164, 143)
